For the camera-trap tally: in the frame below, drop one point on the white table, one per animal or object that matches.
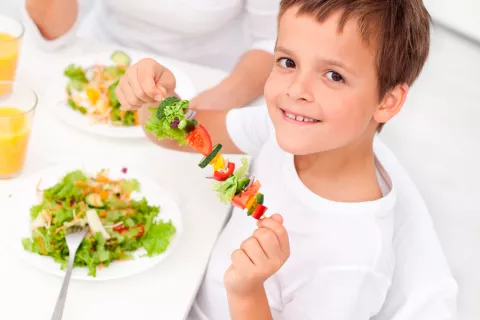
(164, 292)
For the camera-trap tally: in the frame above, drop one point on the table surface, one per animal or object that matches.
(163, 292)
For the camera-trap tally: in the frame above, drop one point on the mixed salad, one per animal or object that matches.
(118, 225)
(173, 120)
(91, 91)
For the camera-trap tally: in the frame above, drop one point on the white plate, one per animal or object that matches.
(56, 97)
(24, 197)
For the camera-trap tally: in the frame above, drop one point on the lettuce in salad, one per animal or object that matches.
(77, 77)
(125, 224)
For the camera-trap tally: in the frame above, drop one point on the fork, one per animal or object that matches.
(74, 237)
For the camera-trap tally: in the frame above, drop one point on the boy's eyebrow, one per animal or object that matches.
(280, 48)
(334, 62)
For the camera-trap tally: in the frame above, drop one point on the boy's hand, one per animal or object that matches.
(146, 81)
(258, 258)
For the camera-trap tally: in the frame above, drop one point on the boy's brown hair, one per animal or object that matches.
(399, 30)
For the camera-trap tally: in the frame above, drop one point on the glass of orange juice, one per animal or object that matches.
(17, 108)
(11, 33)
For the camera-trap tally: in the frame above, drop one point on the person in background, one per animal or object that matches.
(234, 35)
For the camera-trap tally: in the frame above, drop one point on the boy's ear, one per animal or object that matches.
(391, 103)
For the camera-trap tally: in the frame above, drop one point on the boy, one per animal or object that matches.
(342, 69)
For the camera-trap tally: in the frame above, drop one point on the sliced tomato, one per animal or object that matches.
(141, 230)
(200, 140)
(259, 211)
(120, 229)
(221, 175)
(242, 199)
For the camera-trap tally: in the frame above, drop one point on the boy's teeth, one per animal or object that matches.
(298, 118)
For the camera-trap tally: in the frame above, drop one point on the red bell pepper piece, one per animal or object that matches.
(221, 175)
(259, 211)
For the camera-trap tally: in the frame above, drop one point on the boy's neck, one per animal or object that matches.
(346, 175)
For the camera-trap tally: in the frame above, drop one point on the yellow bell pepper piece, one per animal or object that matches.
(250, 203)
(92, 95)
(219, 164)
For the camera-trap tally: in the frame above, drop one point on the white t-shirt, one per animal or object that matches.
(208, 32)
(341, 262)
(342, 254)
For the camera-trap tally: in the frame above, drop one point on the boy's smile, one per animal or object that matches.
(322, 93)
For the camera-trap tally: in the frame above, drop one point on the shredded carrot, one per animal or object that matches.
(41, 245)
(104, 195)
(102, 214)
(82, 184)
(127, 195)
(122, 114)
(48, 213)
(58, 229)
(79, 214)
(53, 247)
(101, 265)
(137, 119)
(102, 178)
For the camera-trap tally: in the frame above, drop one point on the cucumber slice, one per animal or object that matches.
(242, 183)
(260, 197)
(186, 125)
(115, 188)
(94, 200)
(207, 159)
(121, 58)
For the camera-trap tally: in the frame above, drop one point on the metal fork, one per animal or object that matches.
(74, 237)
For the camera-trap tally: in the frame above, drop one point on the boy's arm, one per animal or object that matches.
(253, 307)
(213, 121)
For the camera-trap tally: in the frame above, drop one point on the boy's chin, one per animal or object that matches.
(296, 145)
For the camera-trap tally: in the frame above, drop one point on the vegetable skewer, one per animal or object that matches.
(173, 120)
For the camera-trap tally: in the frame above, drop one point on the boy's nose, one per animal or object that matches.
(300, 89)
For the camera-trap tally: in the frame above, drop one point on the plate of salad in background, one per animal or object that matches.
(83, 94)
(133, 223)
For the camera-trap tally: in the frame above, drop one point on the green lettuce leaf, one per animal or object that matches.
(77, 76)
(226, 189)
(158, 237)
(129, 186)
(76, 107)
(242, 172)
(66, 188)
(162, 129)
(112, 95)
(35, 210)
(129, 118)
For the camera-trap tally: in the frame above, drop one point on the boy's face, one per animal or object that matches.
(326, 81)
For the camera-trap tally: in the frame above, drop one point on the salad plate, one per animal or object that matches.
(133, 223)
(83, 94)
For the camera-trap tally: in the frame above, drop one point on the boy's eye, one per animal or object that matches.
(335, 76)
(286, 63)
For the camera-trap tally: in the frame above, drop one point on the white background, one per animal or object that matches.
(461, 15)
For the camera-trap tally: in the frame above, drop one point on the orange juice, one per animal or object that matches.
(9, 48)
(14, 134)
